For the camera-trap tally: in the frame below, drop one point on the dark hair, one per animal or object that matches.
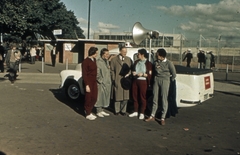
(143, 52)
(92, 51)
(162, 52)
(12, 45)
(121, 47)
(103, 51)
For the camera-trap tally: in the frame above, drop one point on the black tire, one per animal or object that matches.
(72, 91)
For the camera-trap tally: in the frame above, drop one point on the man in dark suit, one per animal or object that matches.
(189, 57)
(53, 55)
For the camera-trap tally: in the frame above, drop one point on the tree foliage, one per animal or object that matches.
(23, 18)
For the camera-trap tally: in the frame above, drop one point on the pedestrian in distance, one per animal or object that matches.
(89, 74)
(201, 59)
(208, 60)
(33, 54)
(104, 83)
(189, 57)
(120, 67)
(212, 60)
(13, 59)
(164, 71)
(142, 73)
(53, 55)
(2, 51)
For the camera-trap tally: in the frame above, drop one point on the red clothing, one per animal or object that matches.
(139, 88)
(89, 74)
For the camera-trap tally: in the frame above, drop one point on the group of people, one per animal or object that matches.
(104, 80)
(205, 60)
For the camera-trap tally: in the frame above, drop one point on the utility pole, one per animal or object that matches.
(89, 10)
(219, 38)
(200, 41)
(180, 57)
(163, 41)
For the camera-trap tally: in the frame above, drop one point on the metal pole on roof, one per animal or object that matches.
(89, 10)
(200, 41)
(150, 49)
(163, 41)
(180, 56)
(219, 38)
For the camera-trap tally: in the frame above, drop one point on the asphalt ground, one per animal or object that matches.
(36, 118)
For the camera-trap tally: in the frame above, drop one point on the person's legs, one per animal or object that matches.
(99, 109)
(135, 95)
(87, 104)
(117, 107)
(31, 59)
(34, 59)
(90, 98)
(135, 98)
(155, 97)
(53, 60)
(164, 93)
(1, 66)
(123, 106)
(188, 63)
(143, 92)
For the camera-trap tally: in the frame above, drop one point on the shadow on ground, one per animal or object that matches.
(2, 153)
(76, 105)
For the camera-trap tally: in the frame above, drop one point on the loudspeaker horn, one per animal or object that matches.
(140, 33)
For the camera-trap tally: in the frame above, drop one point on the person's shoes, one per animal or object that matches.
(117, 113)
(162, 122)
(123, 114)
(100, 114)
(141, 116)
(135, 114)
(149, 119)
(91, 117)
(104, 113)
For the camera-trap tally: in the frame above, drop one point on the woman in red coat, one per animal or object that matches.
(89, 74)
(142, 72)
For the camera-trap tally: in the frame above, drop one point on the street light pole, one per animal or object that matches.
(1, 37)
(89, 10)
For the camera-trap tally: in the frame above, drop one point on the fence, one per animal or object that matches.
(233, 62)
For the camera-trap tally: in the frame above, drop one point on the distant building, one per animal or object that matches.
(170, 40)
(74, 50)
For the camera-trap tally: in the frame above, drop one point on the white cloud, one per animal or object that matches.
(82, 21)
(101, 27)
(107, 26)
(85, 29)
(208, 19)
(104, 30)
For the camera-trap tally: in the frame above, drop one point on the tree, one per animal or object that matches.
(23, 18)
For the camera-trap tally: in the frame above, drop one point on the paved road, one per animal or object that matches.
(36, 119)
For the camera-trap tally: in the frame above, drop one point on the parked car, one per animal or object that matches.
(193, 86)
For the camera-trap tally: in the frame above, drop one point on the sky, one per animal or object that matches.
(192, 18)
